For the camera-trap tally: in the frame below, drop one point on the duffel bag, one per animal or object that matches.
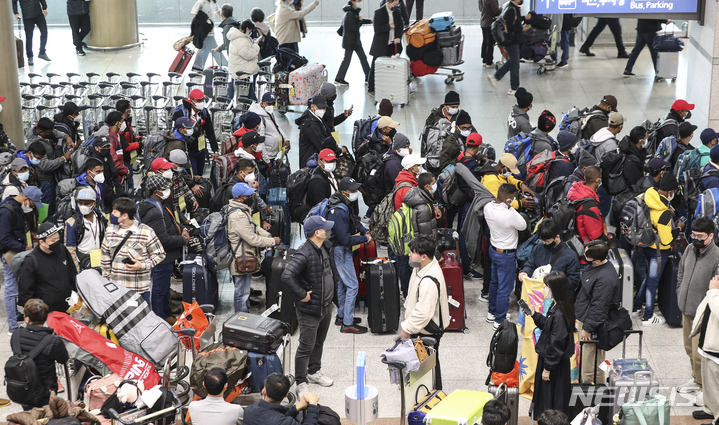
(420, 69)
(420, 34)
(668, 43)
(433, 57)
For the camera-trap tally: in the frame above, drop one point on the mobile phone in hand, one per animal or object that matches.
(128, 260)
(525, 308)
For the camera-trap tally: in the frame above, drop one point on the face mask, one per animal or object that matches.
(353, 196)
(433, 189)
(689, 115)
(394, 9)
(34, 161)
(114, 220)
(123, 127)
(248, 202)
(420, 170)
(698, 244)
(511, 201)
(250, 177)
(669, 198)
(190, 132)
(24, 176)
(320, 113)
(165, 194)
(574, 149)
(326, 234)
(392, 133)
(269, 109)
(330, 167)
(403, 152)
(550, 245)
(465, 133)
(100, 178)
(200, 105)
(167, 174)
(452, 111)
(507, 174)
(78, 118)
(55, 245)
(85, 210)
(415, 264)
(26, 209)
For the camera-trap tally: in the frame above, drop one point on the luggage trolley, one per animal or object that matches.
(452, 58)
(544, 64)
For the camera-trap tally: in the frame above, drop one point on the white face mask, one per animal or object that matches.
(85, 210)
(269, 109)
(165, 194)
(167, 174)
(403, 152)
(190, 132)
(26, 209)
(465, 133)
(123, 127)
(353, 196)
(23, 176)
(250, 177)
(420, 170)
(434, 188)
(670, 197)
(507, 174)
(330, 167)
(320, 113)
(200, 105)
(78, 118)
(452, 111)
(100, 178)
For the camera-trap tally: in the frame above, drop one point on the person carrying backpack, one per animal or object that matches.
(662, 217)
(598, 116)
(566, 140)
(709, 139)
(454, 143)
(53, 351)
(393, 160)
(16, 180)
(541, 140)
(518, 121)
(589, 223)
(584, 159)
(496, 174)
(323, 183)
(634, 156)
(85, 229)
(411, 168)
(605, 139)
(710, 173)
(448, 110)
(655, 170)
(512, 17)
(198, 132)
(686, 134)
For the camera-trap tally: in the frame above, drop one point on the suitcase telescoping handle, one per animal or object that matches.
(596, 356)
(624, 342)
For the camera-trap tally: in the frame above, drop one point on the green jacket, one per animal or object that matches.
(704, 150)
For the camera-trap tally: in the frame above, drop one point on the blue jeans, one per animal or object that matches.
(564, 44)
(643, 39)
(648, 291)
(511, 66)
(48, 188)
(466, 261)
(242, 292)
(146, 296)
(161, 274)
(501, 284)
(348, 285)
(130, 180)
(404, 271)
(11, 293)
(197, 160)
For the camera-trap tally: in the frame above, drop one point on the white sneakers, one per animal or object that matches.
(302, 389)
(511, 92)
(688, 387)
(484, 298)
(491, 318)
(320, 379)
(654, 320)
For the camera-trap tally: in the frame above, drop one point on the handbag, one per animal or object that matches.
(246, 263)
(420, 349)
(184, 41)
(667, 43)
(611, 332)
(588, 416)
(654, 411)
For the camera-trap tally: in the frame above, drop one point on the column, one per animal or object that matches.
(114, 24)
(11, 115)
(703, 68)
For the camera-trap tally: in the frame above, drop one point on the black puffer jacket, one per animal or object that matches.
(78, 7)
(634, 162)
(313, 132)
(423, 212)
(54, 351)
(671, 128)
(304, 273)
(600, 289)
(352, 24)
(168, 231)
(30, 8)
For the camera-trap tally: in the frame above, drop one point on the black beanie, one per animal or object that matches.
(524, 98)
(668, 182)
(463, 118)
(451, 98)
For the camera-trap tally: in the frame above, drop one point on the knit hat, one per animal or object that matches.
(686, 129)
(328, 89)
(524, 98)
(585, 159)
(714, 154)
(157, 182)
(668, 182)
(385, 108)
(250, 120)
(463, 118)
(451, 98)
(399, 141)
(566, 140)
(45, 230)
(547, 121)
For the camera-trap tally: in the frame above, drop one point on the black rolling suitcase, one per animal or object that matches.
(383, 297)
(667, 292)
(276, 292)
(280, 223)
(207, 194)
(591, 394)
(446, 240)
(253, 333)
(199, 283)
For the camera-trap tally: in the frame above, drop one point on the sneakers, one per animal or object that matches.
(586, 52)
(697, 414)
(511, 92)
(688, 387)
(320, 379)
(637, 313)
(623, 55)
(488, 65)
(353, 329)
(492, 80)
(30, 62)
(44, 57)
(365, 221)
(628, 74)
(473, 274)
(484, 298)
(302, 389)
(60, 388)
(341, 83)
(80, 52)
(10, 331)
(4, 402)
(654, 320)
(495, 326)
(491, 317)
(338, 321)
(699, 400)
(562, 64)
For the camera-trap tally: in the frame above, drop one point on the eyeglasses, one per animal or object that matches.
(699, 237)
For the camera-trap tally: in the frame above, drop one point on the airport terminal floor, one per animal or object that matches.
(583, 83)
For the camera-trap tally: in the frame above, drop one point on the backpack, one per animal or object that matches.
(268, 45)
(538, 170)
(322, 208)
(65, 195)
(432, 140)
(499, 29)
(708, 204)
(24, 385)
(450, 193)
(651, 143)
(368, 172)
(666, 148)
(552, 193)
(382, 214)
(636, 223)
(620, 201)
(587, 146)
(575, 119)
(287, 60)
(521, 148)
(213, 233)
(564, 213)
(79, 158)
(18, 260)
(361, 129)
(613, 172)
(503, 348)
(401, 230)
(297, 193)
(687, 161)
(420, 34)
(692, 187)
(155, 146)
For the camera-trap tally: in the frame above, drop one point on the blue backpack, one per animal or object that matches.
(520, 147)
(361, 130)
(666, 148)
(708, 204)
(322, 208)
(688, 160)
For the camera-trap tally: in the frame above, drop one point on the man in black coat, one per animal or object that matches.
(34, 13)
(203, 130)
(646, 31)
(323, 182)
(311, 276)
(78, 13)
(387, 39)
(681, 110)
(313, 131)
(631, 147)
(512, 15)
(351, 41)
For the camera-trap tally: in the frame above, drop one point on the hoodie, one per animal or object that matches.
(662, 218)
(633, 170)
(603, 141)
(312, 133)
(542, 142)
(422, 206)
(226, 25)
(270, 130)
(518, 122)
(589, 223)
(403, 176)
(696, 269)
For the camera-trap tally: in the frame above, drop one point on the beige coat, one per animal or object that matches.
(242, 53)
(420, 310)
(287, 22)
(711, 339)
(241, 227)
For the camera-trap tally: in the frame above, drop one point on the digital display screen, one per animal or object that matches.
(606, 7)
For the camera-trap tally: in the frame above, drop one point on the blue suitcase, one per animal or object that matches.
(441, 21)
(277, 196)
(262, 365)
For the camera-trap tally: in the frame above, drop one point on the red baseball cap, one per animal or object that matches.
(474, 139)
(161, 164)
(682, 105)
(327, 155)
(197, 94)
(2, 98)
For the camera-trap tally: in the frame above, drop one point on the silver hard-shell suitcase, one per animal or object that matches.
(391, 79)
(622, 262)
(632, 378)
(510, 397)
(667, 65)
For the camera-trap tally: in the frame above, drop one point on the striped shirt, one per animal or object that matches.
(143, 245)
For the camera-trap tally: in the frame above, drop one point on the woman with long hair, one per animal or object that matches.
(555, 347)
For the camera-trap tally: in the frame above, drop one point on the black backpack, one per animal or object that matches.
(613, 172)
(368, 172)
(503, 348)
(297, 193)
(268, 45)
(24, 385)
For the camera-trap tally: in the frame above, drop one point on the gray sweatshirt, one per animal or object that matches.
(518, 122)
(695, 272)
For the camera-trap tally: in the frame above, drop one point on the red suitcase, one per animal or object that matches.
(182, 59)
(364, 253)
(452, 271)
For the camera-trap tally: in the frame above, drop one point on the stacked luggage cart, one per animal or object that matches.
(434, 44)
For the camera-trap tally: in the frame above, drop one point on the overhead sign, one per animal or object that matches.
(603, 7)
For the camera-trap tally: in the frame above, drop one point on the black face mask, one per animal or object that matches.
(392, 133)
(55, 245)
(698, 244)
(550, 245)
(248, 202)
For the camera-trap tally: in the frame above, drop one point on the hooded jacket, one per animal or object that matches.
(567, 262)
(312, 133)
(589, 222)
(319, 187)
(598, 119)
(243, 53)
(227, 24)
(633, 162)
(669, 128)
(555, 342)
(51, 277)
(270, 130)
(708, 327)
(600, 289)
(12, 227)
(422, 205)
(542, 142)
(603, 141)
(117, 154)
(403, 176)
(347, 225)
(392, 168)
(351, 24)
(305, 272)
(696, 269)
(518, 122)
(75, 232)
(51, 162)
(242, 230)
(288, 22)
(662, 219)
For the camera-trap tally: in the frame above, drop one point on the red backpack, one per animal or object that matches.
(538, 170)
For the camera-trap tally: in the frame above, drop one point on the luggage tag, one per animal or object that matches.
(133, 157)
(336, 136)
(453, 302)
(95, 258)
(181, 203)
(256, 218)
(201, 143)
(605, 367)
(29, 238)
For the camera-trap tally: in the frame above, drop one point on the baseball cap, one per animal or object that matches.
(686, 129)
(319, 101)
(101, 141)
(387, 122)
(70, 108)
(86, 194)
(682, 105)
(616, 119)
(35, 195)
(157, 182)
(348, 183)
(327, 155)
(714, 154)
(45, 230)
(2, 98)
(708, 135)
(474, 139)
(509, 161)
(197, 94)
(251, 138)
(658, 164)
(17, 164)
(242, 189)
(179, 157)
(268, 98)
(411, 160)
(183, 122)
(315, 223)
(161, 164)
(611, 101)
